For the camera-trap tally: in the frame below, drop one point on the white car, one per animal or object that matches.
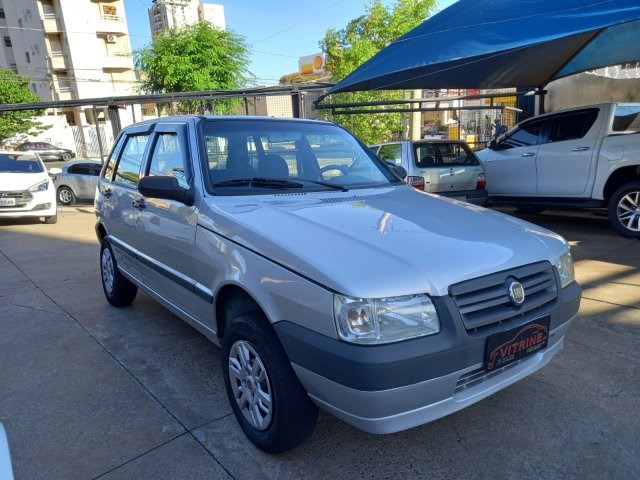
(25, 187)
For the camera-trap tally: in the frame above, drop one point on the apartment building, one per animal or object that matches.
(175, 14)
(71, 49)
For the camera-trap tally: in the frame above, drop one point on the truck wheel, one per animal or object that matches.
(118, 290)
(270, 404)
(624, 210)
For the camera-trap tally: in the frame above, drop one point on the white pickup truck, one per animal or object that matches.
(586, 157)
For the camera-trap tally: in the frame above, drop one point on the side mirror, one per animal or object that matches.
(399, 170)
(493, 145)
(166, 187)
(55, 171)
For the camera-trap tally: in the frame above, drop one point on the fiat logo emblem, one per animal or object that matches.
(516, 293)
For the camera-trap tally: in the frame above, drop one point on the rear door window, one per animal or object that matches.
(391, 153)
(572, 126)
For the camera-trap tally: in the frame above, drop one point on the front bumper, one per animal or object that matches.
(37, 204)
(388, 388)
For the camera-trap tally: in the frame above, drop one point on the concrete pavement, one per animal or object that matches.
(89, 391)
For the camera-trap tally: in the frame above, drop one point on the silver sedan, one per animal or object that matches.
(76, 180)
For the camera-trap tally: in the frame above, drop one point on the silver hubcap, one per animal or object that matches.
(64, 195)
(106, 264)
(250, 384)
(629, 211)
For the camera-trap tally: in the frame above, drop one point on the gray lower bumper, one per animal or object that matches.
(396, 409)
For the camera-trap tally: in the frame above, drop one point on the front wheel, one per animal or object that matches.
(269, 403)
(66, 196)
(118, 290)
(66, 157)
(624, 210)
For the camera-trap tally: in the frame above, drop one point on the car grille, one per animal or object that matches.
(22, 198)
(484, 302)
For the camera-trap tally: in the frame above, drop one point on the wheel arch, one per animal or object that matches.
(620, 177)
(230, 301)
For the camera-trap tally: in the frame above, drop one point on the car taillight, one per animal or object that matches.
(482, 182)
(416, 182)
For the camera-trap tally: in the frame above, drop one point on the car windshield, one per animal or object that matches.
(444, 154)
(258, 156)
(20, 163)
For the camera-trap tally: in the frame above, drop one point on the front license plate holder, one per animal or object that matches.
(7, 202)
(508, 347)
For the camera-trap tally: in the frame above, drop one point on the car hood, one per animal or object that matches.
(380, 242)
(20, 181)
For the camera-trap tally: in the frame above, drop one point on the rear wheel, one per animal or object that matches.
(66, 196)
(118, 290)
(66, 156)
(624, 210)
(270, 404)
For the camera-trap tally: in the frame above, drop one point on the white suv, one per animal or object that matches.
(325, 279)
(25, 187)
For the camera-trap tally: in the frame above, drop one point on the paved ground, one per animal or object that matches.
(88, 391)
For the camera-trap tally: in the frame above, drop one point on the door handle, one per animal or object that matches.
(138, 203)
(580, 149)
(106, 192)
(529, 154)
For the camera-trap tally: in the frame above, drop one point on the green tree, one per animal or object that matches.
(195, 58)
(15, 89)
(361, 39)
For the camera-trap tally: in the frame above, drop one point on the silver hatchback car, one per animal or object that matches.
(326, 280)
(76, 180)
(445, 167)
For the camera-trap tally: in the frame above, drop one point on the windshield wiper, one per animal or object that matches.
(342, 188)
(274, 183)
(259, 182)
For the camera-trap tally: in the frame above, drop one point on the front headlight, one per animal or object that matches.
(564, 264)
(384, 320)
(39, 187)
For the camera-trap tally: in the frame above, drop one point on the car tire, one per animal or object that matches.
(66, 157)
(530, 209)
(118, 290)
(66, 196)
(51, 220)
(269, 403)
(624, 210)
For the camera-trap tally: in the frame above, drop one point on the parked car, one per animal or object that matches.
(445, 167)
(325, 279)
(47, 151)
(25, 187)
(76, 180)
(586, 157)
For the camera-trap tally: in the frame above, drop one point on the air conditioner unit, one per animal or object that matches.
(112, 39)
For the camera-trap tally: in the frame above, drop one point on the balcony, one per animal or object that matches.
(117, 61)
(111, 24)
(51, 23)
(58, 61)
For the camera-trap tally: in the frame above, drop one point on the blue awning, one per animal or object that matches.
(504, 43)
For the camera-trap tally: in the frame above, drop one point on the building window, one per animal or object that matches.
(2, 15)
(14, 67)
(28, 57)
(7, 41)
(19, 23)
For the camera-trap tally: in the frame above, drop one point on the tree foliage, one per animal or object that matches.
(15, 89)
(195, 58)
(361, 39)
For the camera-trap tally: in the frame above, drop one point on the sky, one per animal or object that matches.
(277, 32)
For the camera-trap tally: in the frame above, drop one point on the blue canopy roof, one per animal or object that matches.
(504, 43)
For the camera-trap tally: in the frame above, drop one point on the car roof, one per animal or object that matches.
(198, 118)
